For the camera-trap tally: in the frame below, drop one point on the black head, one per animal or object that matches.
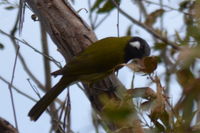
(136, 48)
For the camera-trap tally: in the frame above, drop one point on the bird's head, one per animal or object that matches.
(136, 48)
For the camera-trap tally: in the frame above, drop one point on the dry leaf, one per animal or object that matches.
(146, 65)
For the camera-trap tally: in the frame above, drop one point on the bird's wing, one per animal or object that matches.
(97, 58)
(88, 64)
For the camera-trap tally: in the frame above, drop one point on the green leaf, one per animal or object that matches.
(108, 6)
(103, 6)
(96, 4)
(9, 7)
(194, 31)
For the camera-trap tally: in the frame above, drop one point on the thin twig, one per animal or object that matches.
(81, 87)
(27, 44)
(132, 81)
(93, 22)
(68, 112)
(18, 90)
(141, 113)
(34, 88)
(161, 18)
(118, 20)
(45, 51)
(62, 107)
(10, 89)
(26, 68)
(21, 14)
(141, 7)
(166, 6)
(101, 21)
(38, 94)
(82, 9)
(90, 15)
(47, 69)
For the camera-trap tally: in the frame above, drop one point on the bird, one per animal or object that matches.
(97, 61)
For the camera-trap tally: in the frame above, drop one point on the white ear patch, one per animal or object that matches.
(135, 44)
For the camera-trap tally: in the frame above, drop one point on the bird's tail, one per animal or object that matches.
(48, 98)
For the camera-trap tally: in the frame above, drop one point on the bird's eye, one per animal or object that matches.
(135, 44)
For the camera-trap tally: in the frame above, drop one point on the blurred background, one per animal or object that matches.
(176, 43)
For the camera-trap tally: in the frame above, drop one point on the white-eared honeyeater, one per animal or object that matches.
(96, 62)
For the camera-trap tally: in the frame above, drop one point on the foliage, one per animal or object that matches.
(176, 53)
(156, 112)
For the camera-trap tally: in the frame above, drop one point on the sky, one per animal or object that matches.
(81, 110)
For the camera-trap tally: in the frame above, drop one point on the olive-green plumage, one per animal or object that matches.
(94, 63)
(97, 60)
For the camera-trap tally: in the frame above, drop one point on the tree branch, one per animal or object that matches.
(147, 28)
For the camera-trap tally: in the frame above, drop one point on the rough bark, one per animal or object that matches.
(6, 127)
(72, 35)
